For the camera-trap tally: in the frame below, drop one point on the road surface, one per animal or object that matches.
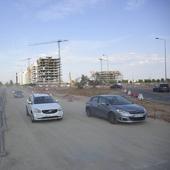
(148, 94)
(81, 143)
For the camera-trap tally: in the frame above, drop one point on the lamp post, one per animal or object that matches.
(164, 40)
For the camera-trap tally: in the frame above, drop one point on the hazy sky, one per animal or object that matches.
(123, 30)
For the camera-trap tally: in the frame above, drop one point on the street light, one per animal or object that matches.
(164, 40)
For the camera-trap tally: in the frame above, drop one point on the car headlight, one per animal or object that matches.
(60, 109)
(123, 112)
(36, 110)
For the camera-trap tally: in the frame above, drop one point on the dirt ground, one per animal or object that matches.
(155, 110)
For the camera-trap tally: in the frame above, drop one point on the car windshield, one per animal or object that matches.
(43, 99)
(18, 92)
(164, 85)
(118, 100)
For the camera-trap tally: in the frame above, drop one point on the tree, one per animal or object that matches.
(6, 84)
(162, 80)
(124, 81)
(147, 80)
(84, 80)
(1, 83)
(140, 81)
(94, 80)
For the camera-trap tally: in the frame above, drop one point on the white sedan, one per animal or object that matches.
(43, 107)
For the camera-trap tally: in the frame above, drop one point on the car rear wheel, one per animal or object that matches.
(112, 118)
(88, 112)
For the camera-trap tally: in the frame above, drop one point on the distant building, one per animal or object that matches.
(48, 70)
(108, 76)
(34, 75)
(25, 77)
(44, 71)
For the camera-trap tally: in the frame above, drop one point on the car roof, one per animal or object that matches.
(40, 94)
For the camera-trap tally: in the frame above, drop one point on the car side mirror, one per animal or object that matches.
(29, 102)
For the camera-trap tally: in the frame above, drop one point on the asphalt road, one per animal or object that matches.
(81, 143)
(148, 94)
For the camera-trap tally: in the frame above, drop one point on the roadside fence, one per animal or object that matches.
(3, 123)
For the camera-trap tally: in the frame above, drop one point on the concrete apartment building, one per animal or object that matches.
(107, 76)
(47, 70)
(44, 71)
(34, 73)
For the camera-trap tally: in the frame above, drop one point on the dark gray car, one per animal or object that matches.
(115, 108)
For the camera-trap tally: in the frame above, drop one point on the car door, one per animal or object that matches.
(103, 107)
(94, 105)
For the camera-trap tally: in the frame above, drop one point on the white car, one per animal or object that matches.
(43, 107)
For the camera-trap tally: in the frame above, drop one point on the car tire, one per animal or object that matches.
(88, 112)
(32, 118)
(112, 118)
(27, 111)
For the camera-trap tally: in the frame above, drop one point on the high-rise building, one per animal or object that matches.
(34, 73)
(48, 70)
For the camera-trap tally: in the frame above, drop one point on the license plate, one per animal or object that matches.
(138, 115)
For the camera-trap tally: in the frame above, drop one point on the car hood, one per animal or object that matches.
(130, 108)
(46, 106)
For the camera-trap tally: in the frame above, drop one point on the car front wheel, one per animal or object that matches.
(88, 112)
(32, 118)
(112, 118)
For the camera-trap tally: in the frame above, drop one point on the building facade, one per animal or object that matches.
(44, 71)
(48, 70)
(108, 76)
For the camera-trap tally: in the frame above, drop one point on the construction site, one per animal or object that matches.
(46, 70)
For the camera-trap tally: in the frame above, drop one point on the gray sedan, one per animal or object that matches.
(115, 108)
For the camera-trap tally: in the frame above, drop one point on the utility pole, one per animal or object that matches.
(164, 40)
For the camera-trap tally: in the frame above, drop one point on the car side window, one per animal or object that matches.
(102, 100)
(114, 100)
(94, 100)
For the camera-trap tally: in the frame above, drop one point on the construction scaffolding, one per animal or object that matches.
(107, 76)
(48, 70)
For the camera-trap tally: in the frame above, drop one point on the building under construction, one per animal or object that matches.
(48, 70)
(108, 76)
